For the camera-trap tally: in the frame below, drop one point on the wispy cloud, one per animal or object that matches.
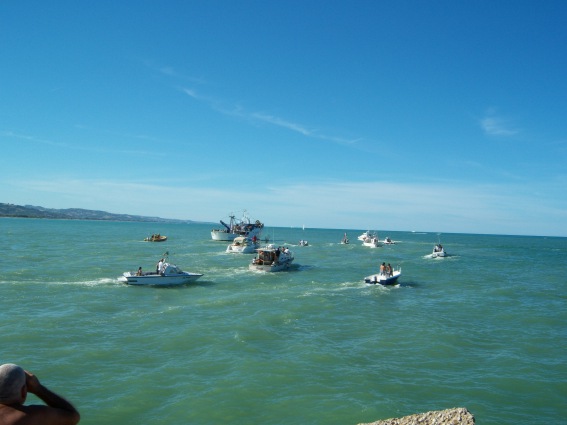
(494, 125)
(238, 111)
(79, 147)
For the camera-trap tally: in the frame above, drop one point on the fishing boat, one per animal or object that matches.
(242, 227)
(156, 237)
(365, 235)
(438, 251)
(167, 275)
(384, 277)
(243, 245)
(272, 259)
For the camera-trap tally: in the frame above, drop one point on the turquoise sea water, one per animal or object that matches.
(484, 328)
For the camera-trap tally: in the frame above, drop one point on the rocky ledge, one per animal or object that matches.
(455, 416)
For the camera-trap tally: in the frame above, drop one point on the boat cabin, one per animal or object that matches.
(267, 257)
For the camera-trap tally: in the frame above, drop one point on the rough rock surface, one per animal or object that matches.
(455, 416)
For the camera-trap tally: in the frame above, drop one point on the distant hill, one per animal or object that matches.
(31, 211)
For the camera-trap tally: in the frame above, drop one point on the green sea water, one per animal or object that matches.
(485, 328)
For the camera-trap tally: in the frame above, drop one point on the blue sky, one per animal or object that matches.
(439, 116)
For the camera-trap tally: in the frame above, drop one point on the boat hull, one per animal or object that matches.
(382, 279)
(156, 239)
(372, 244)
(242, 249)
(219, 235)
(160, 280)
(224, 235)
(271, 267)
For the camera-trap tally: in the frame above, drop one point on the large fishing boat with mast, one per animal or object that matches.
(243, 227)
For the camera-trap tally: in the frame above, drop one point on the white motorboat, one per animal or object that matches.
(271, 259)
(388, 241)
(384, 277)
(242, 227)
(169, 275)
(303, 242)
(372, 242)
(365, 235)
(438, 251)
(243, 245)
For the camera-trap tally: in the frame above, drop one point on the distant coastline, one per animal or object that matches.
(32, 211)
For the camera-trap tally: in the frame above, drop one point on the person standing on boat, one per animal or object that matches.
(159, 266)
(382, 268)
(15, 384)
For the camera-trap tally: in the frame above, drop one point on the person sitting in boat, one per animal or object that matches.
(139, 272)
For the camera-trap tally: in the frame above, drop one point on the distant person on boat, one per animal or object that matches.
(15, 384)
(139, 272)
(389, 270)
(382, 268)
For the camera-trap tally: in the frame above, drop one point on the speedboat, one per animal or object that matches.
(169, 275)
(156, 237)
(303, 243)
(365, 235)
(372, 242)
(242, 227)
(438, 251)
(271, 259)
(243, 245)
(384, 277)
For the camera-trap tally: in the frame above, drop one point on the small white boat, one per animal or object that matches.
(384, 277)
(388, 241)
(243, 245)
(372, 242)
(242, 227)
(170, 275)
(344, 240)
(303, 243)
(271, 259)
(438, 251)
(365, 235)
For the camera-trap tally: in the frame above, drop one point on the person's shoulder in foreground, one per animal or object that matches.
(15, 384)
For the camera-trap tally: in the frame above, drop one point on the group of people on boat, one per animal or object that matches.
(270, 256)
(386, 270)
(159, 268)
